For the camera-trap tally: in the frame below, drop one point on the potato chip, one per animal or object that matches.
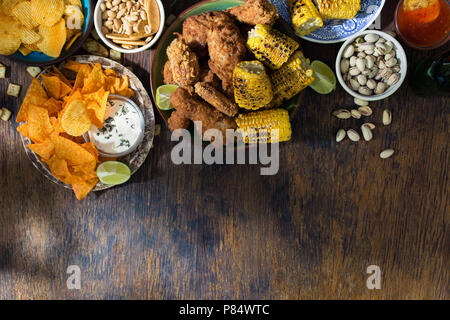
(74, 17)
(32, 47)
(9, 35)
(44, 149)
(39, 126)
(53, 39)
(36, 95)
(72, 41)
(22, 11)
(73, 2)
(24, 51)
(29, 36)
(7, 5)
(47, 12)
(75, 119)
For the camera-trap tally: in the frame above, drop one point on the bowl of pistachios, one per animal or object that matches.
(129, 26)
(371, 66)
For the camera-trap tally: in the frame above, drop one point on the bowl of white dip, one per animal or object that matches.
(122, 131)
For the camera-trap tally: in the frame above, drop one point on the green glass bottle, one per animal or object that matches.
(431, 76)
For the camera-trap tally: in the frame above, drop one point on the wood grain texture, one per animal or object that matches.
(224, 232)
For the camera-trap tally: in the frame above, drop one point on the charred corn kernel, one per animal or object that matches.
(292, 78)
(252, 86)
(269, 126)
(270, 46)
(305, 16)
(338, 9)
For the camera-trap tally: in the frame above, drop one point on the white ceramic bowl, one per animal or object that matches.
(112, 45)
(400, 55)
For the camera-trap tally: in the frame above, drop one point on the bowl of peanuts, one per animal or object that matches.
(129, 26)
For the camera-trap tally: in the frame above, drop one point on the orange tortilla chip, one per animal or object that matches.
(82, 75)
(74, 65)
(52, 85)
(95, 80)
(82, 189)
(70, 151)
(97, 106)
(23, 130)
(35, 95)
(59, 168)
(110, 72)
(45, 149)
(53, 106)
(39, 125)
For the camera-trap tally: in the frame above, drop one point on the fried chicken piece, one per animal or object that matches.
(196, 29)
(196, 110)
(208, 76)
(226, 48)
(216, 98)
(178, 121)
(183, 62)
(255, 12)
(167, 73)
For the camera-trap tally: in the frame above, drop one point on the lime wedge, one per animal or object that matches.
(113, 172)
(325, 80)
(163, 94)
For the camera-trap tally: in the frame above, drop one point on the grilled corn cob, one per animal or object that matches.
(269, 126)
(338, 9)
(270, 46)
(305, 16)
(252, 86)
(292, 78)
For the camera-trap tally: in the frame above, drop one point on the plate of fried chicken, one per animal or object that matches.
(237, 66)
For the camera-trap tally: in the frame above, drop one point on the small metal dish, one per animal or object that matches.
(131, 104)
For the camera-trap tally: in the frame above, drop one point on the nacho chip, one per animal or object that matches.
(53, 39)
(35, 95)
(74, 65)
(95, 81)
(52, 85)
(56, 72)
(110, 72)
(22, 11)
(96, 106)
(39, 126)
(45, 150)
(82, 75)
(75, 119)
(81, 190)
(9, 35)
(28, 36)
(70, 151)
(53, 106)
(59, 168)
(47, 12)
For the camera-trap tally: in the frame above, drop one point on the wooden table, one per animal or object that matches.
(224, 232)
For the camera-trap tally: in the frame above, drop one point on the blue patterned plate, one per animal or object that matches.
(338, 30)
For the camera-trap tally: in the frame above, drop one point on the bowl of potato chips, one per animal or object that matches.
(43, 32)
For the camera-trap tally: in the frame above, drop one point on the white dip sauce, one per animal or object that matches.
(121, 128)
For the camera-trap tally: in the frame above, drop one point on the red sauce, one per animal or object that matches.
(425, 27)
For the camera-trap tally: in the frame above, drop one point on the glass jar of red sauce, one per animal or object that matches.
(423, 24)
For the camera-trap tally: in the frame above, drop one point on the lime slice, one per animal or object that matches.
(325, 80)
(163, 94)
(113, 172)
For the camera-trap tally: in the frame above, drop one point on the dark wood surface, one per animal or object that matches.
(198, 231)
